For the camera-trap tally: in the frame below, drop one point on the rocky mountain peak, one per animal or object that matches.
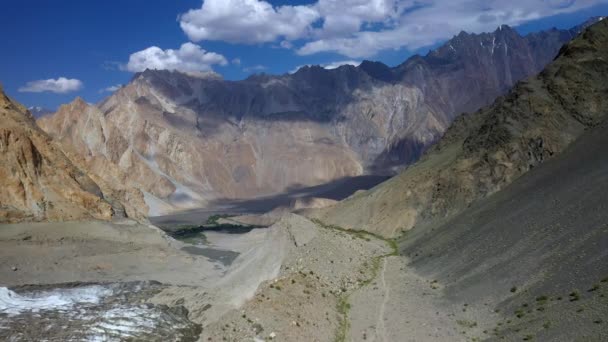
(377, 70)
(76, 108)
(79, 102)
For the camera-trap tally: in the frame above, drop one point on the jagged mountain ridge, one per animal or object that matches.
(188, 140)
(485, 151)
(37, 181)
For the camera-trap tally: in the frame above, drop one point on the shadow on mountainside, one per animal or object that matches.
(336, 190)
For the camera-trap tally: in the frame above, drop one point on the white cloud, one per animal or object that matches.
(190, 58)
(422, 23)
(344, 17)
(236, 61)
(328, 66)
(286, 45)
(247, 21)
(336, 65)
(111, 89)
(361, 28)
(255, 68)
(60, 85)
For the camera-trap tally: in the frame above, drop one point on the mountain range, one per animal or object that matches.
(191, 140)
(494, 226)
(485, 151)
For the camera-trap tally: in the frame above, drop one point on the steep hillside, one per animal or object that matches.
(483, 152)
(535, 252)
(190, 140)
(37, 181)
(528, 263)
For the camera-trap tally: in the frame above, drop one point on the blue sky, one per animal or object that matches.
(80, 48)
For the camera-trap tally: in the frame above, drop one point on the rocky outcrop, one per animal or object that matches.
(187, 140)
(483, 152)
(81, 135)
(37, 181)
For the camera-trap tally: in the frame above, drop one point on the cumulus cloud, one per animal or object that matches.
(329, 66)
(247, 21)
(361, 28)
(422, 23)
(190, 58)
(60, 85)
(344, 17)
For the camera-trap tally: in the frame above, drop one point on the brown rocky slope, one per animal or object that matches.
(38, 182)
(483, 152)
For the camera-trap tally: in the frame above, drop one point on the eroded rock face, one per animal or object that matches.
(187, 140)
(37, 181)
(483, 152)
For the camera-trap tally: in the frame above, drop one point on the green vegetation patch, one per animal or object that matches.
(466, 324)
(364, 235)
(213, 219)
(343, 308)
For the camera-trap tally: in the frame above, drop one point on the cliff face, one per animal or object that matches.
(37, 181)
(187, 141)
(483, 152)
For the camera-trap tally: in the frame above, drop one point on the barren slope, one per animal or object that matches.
(535, 252)
(37, 181)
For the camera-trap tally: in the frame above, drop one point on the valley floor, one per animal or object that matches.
(297, 280)
(288, 282)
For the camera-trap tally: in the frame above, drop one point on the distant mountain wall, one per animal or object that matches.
(187, 141)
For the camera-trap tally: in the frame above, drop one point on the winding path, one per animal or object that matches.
(380, 328)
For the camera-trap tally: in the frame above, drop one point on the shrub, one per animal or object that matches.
(467, 324)
(574, 296)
